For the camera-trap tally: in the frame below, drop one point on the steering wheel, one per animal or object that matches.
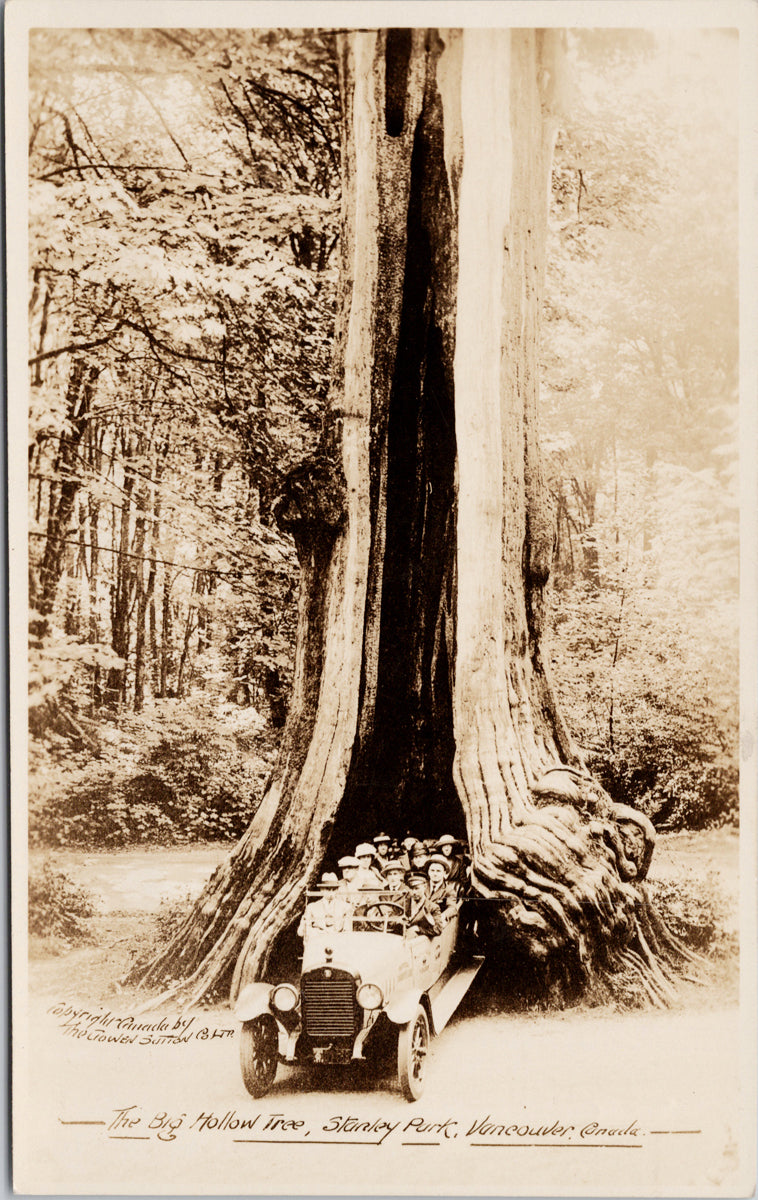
(377, 916)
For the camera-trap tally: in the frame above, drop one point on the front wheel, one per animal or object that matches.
(412, 1049)
(259, 1054)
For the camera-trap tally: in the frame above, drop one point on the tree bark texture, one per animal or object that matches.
(422, 698)
(80, 391)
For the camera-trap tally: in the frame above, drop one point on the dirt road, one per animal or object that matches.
(584, 1102)
(134, 879)
(577, 1103)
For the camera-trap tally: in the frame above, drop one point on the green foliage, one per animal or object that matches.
(649, 690)
(182, 773)
(59, 908)
(639, 370)
(694, 909)
(182, 229)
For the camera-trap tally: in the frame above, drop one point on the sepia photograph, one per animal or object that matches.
(381, 776)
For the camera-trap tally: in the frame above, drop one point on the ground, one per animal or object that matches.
(152, 1114)
(133, 886)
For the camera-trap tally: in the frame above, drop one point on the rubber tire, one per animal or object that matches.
(259, 1054)
(412, 1050)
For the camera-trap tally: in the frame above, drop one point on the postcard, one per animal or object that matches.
(382, 621)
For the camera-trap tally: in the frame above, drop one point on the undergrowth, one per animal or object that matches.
(59, 909)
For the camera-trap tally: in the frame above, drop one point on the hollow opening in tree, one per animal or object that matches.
(401, 779)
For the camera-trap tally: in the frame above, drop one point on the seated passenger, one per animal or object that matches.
(449, 847)
(394, 878)
(404, 853)
(330, 912)
(440, 890)
(348, 865)
(422, 914)
(417, 856)
(366, 877)
(381, 852)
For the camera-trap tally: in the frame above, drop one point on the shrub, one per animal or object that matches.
(695, 911)
(58, 907)
(181, 773)
(653, 702)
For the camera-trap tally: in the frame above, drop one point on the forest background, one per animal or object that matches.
(184, 207)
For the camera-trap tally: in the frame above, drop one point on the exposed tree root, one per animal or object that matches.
(554, 891)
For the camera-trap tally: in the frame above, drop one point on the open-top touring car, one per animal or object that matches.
(370, 975)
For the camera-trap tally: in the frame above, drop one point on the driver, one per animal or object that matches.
(331, 911)
(422, 914)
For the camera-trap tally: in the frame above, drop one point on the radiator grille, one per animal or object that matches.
(328, 1004)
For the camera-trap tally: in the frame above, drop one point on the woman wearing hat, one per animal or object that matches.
(404, 853)
(456, 867)
(366, 877)
(381, 851)
(348, 865)
(417, 857)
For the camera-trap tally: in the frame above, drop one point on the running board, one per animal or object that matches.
(449, 990)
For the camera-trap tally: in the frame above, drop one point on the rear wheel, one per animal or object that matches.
(412, 1050)
(259, 1054)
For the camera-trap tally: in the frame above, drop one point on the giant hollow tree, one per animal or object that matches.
(422, 697)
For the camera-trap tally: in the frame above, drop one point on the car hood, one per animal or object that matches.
(375, 957)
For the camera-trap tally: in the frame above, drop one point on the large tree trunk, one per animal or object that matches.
(422, 697)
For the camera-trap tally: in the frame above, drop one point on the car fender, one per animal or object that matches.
(401, 1008)
(253, 1001)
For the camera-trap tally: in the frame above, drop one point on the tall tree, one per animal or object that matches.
(422, 694)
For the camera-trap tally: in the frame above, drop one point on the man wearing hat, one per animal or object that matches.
(394, 878)
(366, 877)
(330, 912)
(423, 916)
(456, 872)
(441, 891)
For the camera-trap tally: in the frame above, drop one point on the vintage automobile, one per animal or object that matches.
(368, 981)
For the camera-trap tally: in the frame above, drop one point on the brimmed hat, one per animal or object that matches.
(438, 858)
(329, 880)
(382, 837)
(408, 842)
(417, 848)
(447, 840)
(415, 876)
(364, 850)
(348, 861)
(393, 865)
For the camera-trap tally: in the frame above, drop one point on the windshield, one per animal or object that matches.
(362, 910)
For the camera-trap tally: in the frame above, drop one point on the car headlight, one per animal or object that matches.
(369, 996)
(284, 997)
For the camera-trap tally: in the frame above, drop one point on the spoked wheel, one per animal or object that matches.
(259, 1054)
(412, 1049)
